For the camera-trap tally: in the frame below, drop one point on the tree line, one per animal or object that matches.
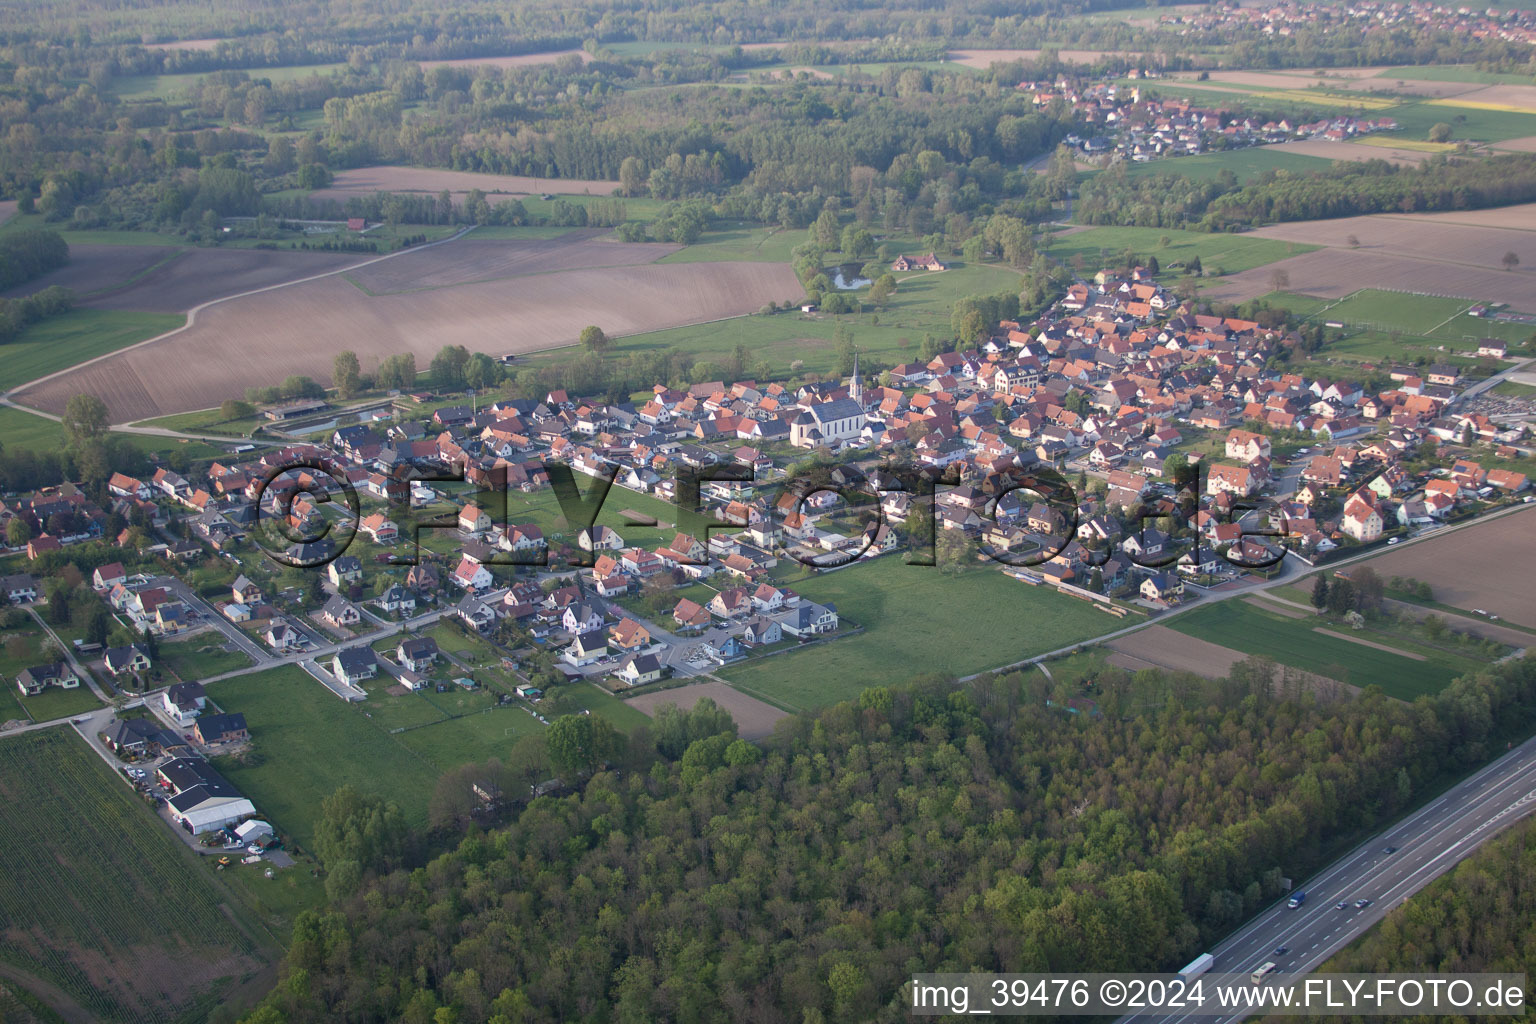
(965, 827)
(1346, 189)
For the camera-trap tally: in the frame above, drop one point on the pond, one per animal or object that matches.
(846, 277)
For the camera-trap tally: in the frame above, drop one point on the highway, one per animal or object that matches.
(1428, 843)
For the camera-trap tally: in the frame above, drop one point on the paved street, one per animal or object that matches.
(1427, 843)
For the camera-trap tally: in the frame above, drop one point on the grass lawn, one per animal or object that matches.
(144, 87)
(1231, 253)
(922, 304)
(21, 429)
(1246, 163)
(199, 657)
(474, 737)
(1382, 346)
(1416, 119)
(1300, 306)
(54, 703)
(1398, 142)
(737, 240)
(1454, 73)
(309, 743)
(1513, 389)
(205, 421)
(1464, 329)
(91, 237)
(105, 883)
(1401, 311)
(1244, 627)
(917, 620)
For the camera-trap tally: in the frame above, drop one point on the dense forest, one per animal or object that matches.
(925, 826)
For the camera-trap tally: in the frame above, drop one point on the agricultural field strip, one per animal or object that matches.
(192, 313)
(92, 902)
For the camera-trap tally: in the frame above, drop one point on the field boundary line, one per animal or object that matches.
(192, 313)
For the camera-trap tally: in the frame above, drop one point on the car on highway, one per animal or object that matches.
(1362, 903)
(1390, 849)
(1281, 951)
(1341, 905)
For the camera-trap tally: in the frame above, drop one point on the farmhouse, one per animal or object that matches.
(138, 736)
(690, 615)
(344, 570)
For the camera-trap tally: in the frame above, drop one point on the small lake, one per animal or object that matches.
(846, 277)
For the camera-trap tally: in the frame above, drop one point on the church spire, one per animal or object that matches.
(856, 383)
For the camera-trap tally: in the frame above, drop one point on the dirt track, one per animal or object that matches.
(262, 339)
(754, 719)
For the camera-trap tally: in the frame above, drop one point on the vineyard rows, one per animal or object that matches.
(100, 899)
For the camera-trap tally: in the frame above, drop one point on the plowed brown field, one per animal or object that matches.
(161, 279)
(754, 719)
(1485, 566)
(261, 339)
(366, 180)
(1456, 253)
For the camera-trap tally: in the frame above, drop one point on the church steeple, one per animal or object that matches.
(856, 383)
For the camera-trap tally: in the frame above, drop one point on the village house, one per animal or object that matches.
(183, 702)
(354, 665)
(628, 635)
(417, 653)
(587, 648)
(340, 612)
(131, 660)
(34, 680)
(639, 669)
